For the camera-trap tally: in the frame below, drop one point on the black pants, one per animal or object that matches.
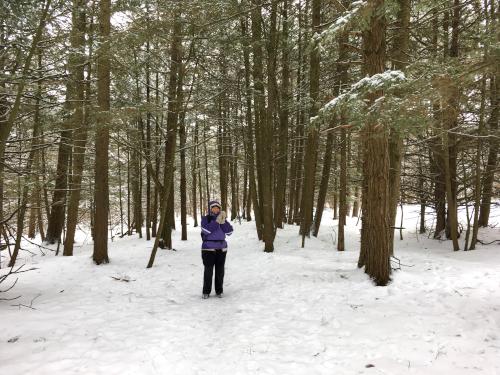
(215, 258)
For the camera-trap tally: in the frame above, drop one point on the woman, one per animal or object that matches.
(214, 228)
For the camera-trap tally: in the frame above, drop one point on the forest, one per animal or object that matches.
(120, 120)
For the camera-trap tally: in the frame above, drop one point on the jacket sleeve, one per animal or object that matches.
(208, 227)
(227, 228)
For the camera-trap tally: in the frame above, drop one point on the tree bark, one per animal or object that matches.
(298, 137)
(342, 190)
(449, 103)
(36, 198)
(147, 145)
(223, 162)
(172, 117)
(282, 157)
(58, 207)
(233, 175)
(182, 145)
(79, 119)
(263, 132)
(375, 231)
(101, 192)
(491, 166)
(436, 168)
(8, 118)
(250, 134)
(135, 180)
(157, 142)
(342, 68)
(357, 190)
(451, 123)
(194, 174)
(26, 185)
(312, 131)
(399, 62)
(325, 177)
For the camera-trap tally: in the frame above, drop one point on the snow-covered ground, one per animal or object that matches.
(294, 311)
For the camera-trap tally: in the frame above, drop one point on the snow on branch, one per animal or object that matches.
(379, 81)
(341, 23)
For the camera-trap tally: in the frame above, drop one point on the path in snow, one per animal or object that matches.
(294, 311)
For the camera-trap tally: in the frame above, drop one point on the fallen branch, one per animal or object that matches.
(10, 287)
(40, 247)
(124, 278)
(12, 271)
(488, 243)
(31, 303)
(398, 261)
(9, 299)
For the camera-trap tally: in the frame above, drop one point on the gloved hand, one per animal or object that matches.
(221, 218)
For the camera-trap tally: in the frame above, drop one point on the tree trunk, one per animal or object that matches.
(57, 210)
(399, 62)
(491, 166)
(205, 154)
(249, 135)
(436, 168)
(342, 68)
(451, 123)
(101, 199)
(233, 175)
(136, 176)
(263, 132)
(335, 181)
(182, 145)
(312, 132)
(282, 157)
(325, 177)
(8, 118)
(129, 189)
(223, 164)
(375, 232)
(477, 171)
(342, 189)
(147, 145)
(449, 103)
(421, 193)
(120, 189)
(200, 187)
(194, 173)
(79, 119)
(172, 117)
(36, 198)
(26, 184)
(357, 190)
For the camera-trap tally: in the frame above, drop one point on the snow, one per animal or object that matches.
(341, 23)
(300, 311)
(379, 81)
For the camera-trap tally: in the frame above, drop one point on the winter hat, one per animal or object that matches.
(213, 204)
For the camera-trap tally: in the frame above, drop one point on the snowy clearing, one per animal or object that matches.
(294, 311)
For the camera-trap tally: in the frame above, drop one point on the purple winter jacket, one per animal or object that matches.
(214, 234)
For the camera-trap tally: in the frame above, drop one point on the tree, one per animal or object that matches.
(100, 254)
(492, 17)
(263, 128)
(79, 119)
(173, 108)
(374, 253)
(8, 115)
(312, 131)
(399, 61)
